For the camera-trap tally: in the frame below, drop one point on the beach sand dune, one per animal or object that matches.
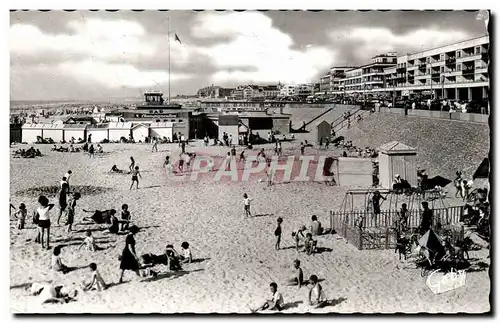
(235, 256)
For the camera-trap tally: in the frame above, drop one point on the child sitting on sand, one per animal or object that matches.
(298, 276)
(246, 201)
(277, 234)
(186, 257)
(56, 263)
(115, 169)
(173, 258)
(88, 242)
(96, 282)
(309, 244)
(316, 295)
(273, 304)
(125, 217)
(20, 215)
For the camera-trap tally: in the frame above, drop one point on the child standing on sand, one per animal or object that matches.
(20, 215)
(246, 201)
(277, 234)
(70, 211)
(135, 177)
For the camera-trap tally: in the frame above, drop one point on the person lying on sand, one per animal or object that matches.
(88, 242)
(100, 217)
(48, 293)
(273, 304)
(297, 279)
(316, 295)
(96, 282)
(115, 169)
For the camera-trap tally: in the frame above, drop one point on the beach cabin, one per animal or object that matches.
(396, 158)
(77, 131)
(140, 132)
(53, 130)
(230, 124)
(30, 132)
(162, 129)
(98, 131)
(118, 130)
(321, 130)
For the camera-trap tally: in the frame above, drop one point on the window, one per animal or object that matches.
(442, 69)
(478, 50)
(459, 53)
(441, 57)
(459, 67)
(384, 60)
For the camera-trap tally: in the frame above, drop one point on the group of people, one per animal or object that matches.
(27, 153)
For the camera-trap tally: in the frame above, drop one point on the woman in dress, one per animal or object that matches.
(129, 259)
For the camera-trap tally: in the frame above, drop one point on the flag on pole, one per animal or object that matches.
(176, 38)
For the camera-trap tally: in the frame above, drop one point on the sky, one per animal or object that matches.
(85, 55)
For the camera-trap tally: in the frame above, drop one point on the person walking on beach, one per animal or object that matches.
(246, 201)
(278, 233)
(132, 164)
(91, 151)
(63, 193)
(42, 220)
(135, 177)
(129, 259)
(155, 145)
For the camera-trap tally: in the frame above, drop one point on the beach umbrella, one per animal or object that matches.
(439, 181)
(431, 241)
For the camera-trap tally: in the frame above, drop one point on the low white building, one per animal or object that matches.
(76, 131)
(54, 131)
(118, 130)
(162, 129)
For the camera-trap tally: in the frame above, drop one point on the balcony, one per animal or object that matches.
(485, 56)
(451, 60)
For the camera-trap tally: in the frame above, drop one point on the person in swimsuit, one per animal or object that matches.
(297, 278)
(96, 282)
(246, 201)
(70, 211)
(316, 294)
(42, 220)
(132, 164)
(20, 215)
(273, 304)
(135, 177)
(278, 233)
(115, 169)
(63, 203)
(125, 218)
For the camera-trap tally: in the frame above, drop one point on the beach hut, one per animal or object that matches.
(396, 158)
(98, 131)
(140, 131)
(76, 130)
(162, 129)
(118, 130)
(30, 132)
(322, 130)
(53, 130)
(229, 124)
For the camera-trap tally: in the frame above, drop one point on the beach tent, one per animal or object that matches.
(431, 241)
(118, 130)
(140, 132)
(483, 171)
(162, 129)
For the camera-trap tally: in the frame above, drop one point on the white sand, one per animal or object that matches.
(239, 256)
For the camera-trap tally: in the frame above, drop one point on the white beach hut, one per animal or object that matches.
(30, 131)
(119, 129)
(396, 158)
(76, 131)
(54, 131)
(162, 129)
(140, 131)
(98, 131)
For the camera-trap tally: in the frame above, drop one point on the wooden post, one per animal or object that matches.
(360, 239)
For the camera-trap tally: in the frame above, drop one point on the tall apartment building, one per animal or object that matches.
(324, 83)
(457, 71)
(368, 77)
(337, 73)
(295, 90)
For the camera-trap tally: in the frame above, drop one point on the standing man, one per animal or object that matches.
(155, 145)
(427, 217)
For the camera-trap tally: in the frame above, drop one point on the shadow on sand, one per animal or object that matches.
(170, 274)
(295, 304)
(198, 260)
(262, 214)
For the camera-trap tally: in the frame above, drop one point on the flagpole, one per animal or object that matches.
(169, 60)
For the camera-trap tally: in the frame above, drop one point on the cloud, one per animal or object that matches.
(264, 51)
(117, 75)
(91, 38)
(372, 41)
